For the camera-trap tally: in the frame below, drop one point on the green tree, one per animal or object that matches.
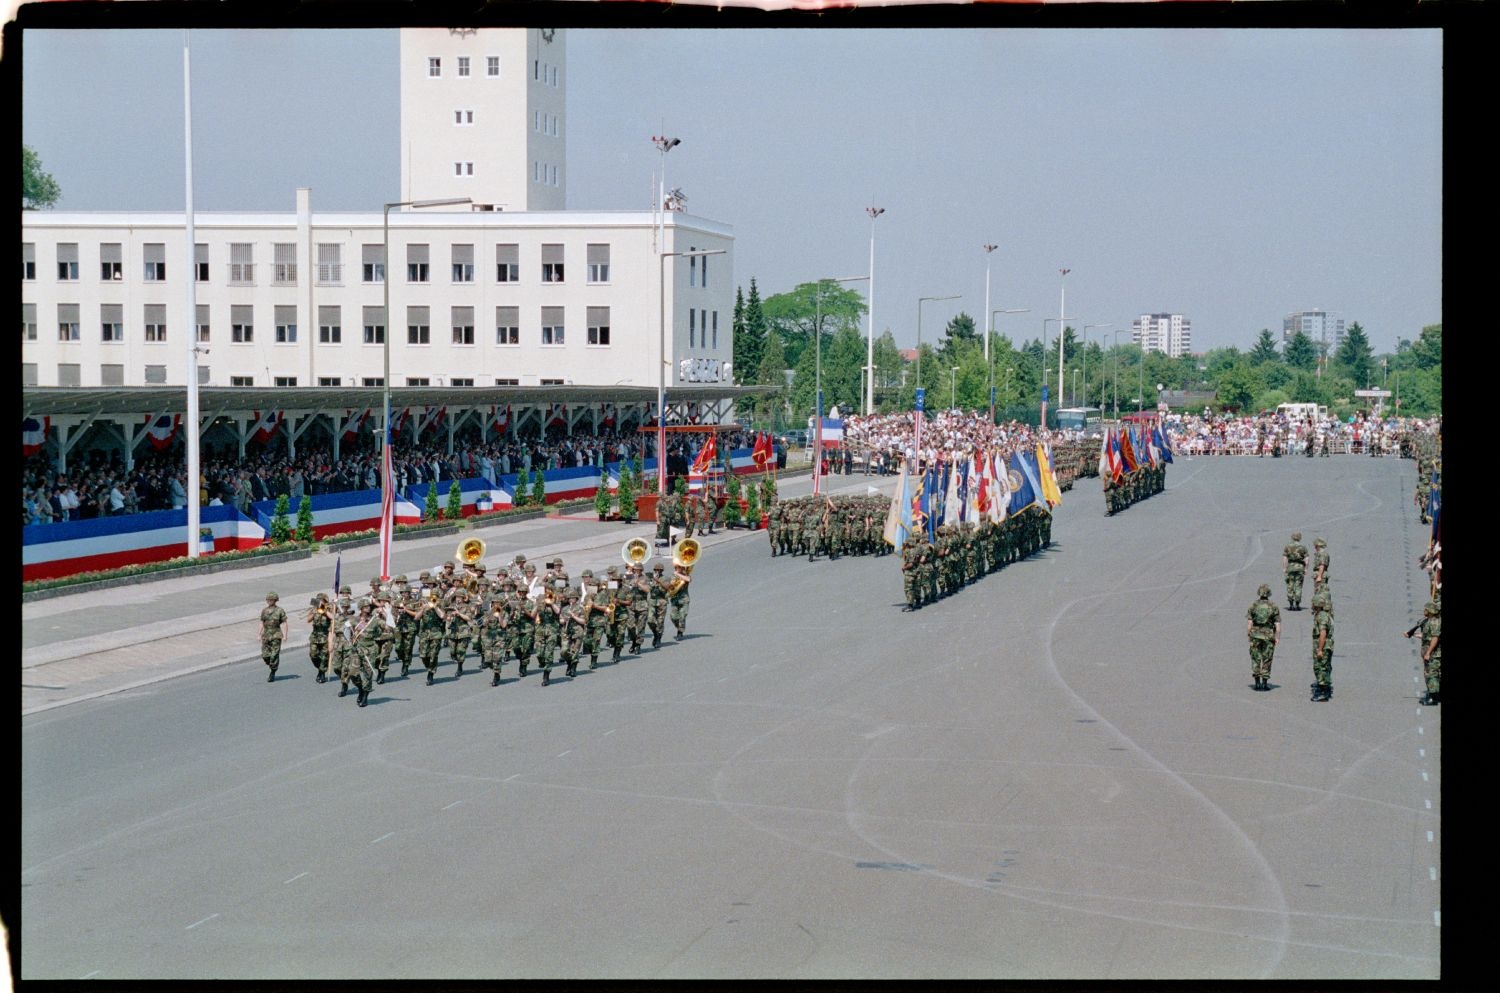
(601, 498)
(539, 489)
(1355, 356)
(626, 494)
(430, 509)
(1265, 349)
(756, 331)
(888, 367)
(1427, 350)
(827, 304)
(39, 191)
(281, 526)
(455, 502)
(523, 490)
(732, 505)
(1237, 386)
(959, 331)
(752, 506)
(743, 369)
(305, 519)
(1306, 387)
(1300, 353)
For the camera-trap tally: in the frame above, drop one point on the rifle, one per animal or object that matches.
(1415, 627)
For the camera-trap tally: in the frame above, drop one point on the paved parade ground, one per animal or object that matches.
(1059, 772)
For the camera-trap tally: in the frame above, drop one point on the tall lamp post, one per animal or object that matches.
(920, 301)
(953, 387)
(989, 249)
(385, 379)
(818, 377)
(663, 145)
(1086, 358)
(661, 365)
(1062, 327)
(990, 369)
(874, 212)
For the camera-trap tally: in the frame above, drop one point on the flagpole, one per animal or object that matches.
(194, 494)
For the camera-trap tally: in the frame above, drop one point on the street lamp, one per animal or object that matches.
(1075, 386)
(818, 377)
(953, 388)
(385, 380)
(1086, 358)
(920, 301)
(663, 145)
(989, 369)
(989, 250)
(661, 366)
(874, 212)
(1062, 326)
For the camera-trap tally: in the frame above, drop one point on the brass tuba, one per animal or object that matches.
(470, 550)
(685, 554)
(635, 551)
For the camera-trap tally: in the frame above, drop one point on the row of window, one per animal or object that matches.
(464, 67)
(543, 173)
(330, 267)
(543, 123)
(113, 374)
(553, 327)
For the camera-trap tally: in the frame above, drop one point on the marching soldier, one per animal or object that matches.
(387, 639)
(1322, 687)
(619, 618)
(657, 596)
(460, 629)
(640, 607)
(1263, 625)
(522, 628)
(357, 661)
(547, 618)
(492, 640)
(598, 600)
(407, 607)
(911, 563)
(1293, 564)
(431, 625)
(273, 631)
(321, 619)
(342, 643)
(678, 600)
(574, 627)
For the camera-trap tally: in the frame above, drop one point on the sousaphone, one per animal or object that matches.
(635, 551)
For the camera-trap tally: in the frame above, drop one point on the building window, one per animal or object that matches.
(203, 375)
(156, 322)
(692, 268)
(112, 322)
(463, 325)
(457, 381)
(28, 260)
(716, 329)
(598, 320)
(374, 322)
(372, 381)
(552, 326)
(284, 272)
(28, 374)
(554, 75)
(416, 264)
(507, 325)
(330, 381)
(241, 380)
(67, 374)
(67, 262)
(418, 329)
(200, 263)
(67, 322)
(330, 263)
(283, 380)
(692, 328)
(598, 259)
(463, 65)
(112, 374)
(552, 263)
(463, 168)
(155, 375)
(434, 67)
(507, 382)
(704, 281)
(507, 263)
(329, 332)
(241, 328)
(286, 325)
(155, 257)
(549, 382)
(492, 66)
(418, 381)
(536, 120)
(242, 264)
(202, 321)
(463, 263)
(111, 268)
(463, 118)
(28, 322)
(536, 68)
(373, 257)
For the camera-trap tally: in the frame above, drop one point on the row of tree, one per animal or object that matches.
(823, 323)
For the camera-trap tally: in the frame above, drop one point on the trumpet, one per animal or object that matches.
(636, 551)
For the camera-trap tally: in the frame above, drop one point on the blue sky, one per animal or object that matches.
(1233, 176)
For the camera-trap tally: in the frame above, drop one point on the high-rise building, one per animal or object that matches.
(1321, 326)
(1171, 334)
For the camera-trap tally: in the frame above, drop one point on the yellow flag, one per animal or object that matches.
(1050, 491)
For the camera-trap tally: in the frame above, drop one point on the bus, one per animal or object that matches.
(1076, 418)
(1302, 411)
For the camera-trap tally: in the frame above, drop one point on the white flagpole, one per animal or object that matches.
(190, 324)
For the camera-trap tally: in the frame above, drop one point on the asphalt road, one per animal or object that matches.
(1060, 772)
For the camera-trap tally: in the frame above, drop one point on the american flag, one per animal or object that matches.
(387, 505)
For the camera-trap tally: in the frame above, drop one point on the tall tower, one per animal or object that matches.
(482, 116)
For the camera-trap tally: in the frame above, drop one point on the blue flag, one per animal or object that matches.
(963, 489)
(1435, 503)
(1022, 491)
(1161, 443)
(899, 521)
(932, 500)
(337, 565)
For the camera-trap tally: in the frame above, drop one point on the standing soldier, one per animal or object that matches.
(1320, 563)
(273, 631)
(492, 640)
(460, 629)
(656, 588)
(911, 559)
(1293, 563)
(1263, 625)
(321, 619)
(596, 608)
(1432, 651)
(358, 666)
(431, 624)
(1322, 687)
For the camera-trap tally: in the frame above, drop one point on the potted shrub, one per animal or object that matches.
(539, 489)
(281, 527)
(734, 505)
(601, 497)
(305, 520)
(753, 517)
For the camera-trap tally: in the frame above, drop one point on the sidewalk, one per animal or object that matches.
(89, 645)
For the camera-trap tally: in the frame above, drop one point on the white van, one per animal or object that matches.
(1302, 411)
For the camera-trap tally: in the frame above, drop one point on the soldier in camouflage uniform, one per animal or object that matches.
(1322, 687)
(621, 601)
(656, 587)
(1293, 563)
(273, 630)
(911, 565)
(431, 625)
(460, 628)
(640, 607)
(678, 602)
(1432, 651)
(547, 615)
(405, 607)
(1320, 564)
(1263, 625)
(597, 599)
(522, 627)
(387, 640)
(574, 626)
(492, 640)
(342, 640)
(358, 665)
(321, 618)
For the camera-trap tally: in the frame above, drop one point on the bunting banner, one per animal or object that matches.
(33, 435)
(265, 427)
(162, 430)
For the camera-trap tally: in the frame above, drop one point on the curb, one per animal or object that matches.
(205, 569)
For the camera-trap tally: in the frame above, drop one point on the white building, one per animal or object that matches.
(1321, 326)
(521, 294)
(1171, 334)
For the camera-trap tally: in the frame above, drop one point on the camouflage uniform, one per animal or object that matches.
(431, 625)
(317, 643)
(272, 619)
(460, 629)
(361, 635)
(911, 560)
(1264, 625)
(656, 595)
(1294, 559)
(492, 640)
(547, 616)
(1432, 651)
(574, 626)
(522, 629)
(1320, 563)
(640, 610)
(621, 621)
(678, 604)
(599, 599)
(1322, 688)
(406, 624)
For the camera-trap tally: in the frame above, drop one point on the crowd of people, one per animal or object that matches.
(100, 484)
(887, 439)
(1277, 434)
(534, 617)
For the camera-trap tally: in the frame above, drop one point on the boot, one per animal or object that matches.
(678, 636)
(405, 668)
(344, 690)
(271, 676)
(1328, 692)
(460, 671)
(616, 657)
(430, 674)
(380, 676)
(364, 696)
(546, 676)
(1316, 695)
(322, 678)
(1429, 700)
(523, 668)
(495, 679)
(572, 668)
(593, 661)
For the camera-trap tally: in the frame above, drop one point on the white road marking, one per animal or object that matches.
(1432, 873)
(293, 879)
(382, 837)
(90, 975)
(1429, 836)
(455, 803)
(1421, 753)
(724, 680)
(690, 694)
(204, 921)
(1427, 804)
(609, 732)
(1419, 730)
(509, 778)
(1424, 777)
(561, 754)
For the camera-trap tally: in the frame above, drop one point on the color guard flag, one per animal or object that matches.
(338, 564)
(898, 521)
(1127, 453)
(1161, 443)
(1022, 493)
(1051, 492)
(706, 455)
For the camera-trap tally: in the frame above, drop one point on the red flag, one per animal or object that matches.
(706, 455)
(1126, 452)
(760, 454)
(265, 427)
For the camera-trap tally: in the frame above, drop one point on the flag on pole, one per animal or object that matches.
(706, 455)
(1127, 452)
(1051, 492)
(898, 522)
(387, 506)
(917, 424)
(162, 430)
(338, 564)
(953, 502)
(1161, 443)
(982, 489)
(265, 427)
(1022, 491)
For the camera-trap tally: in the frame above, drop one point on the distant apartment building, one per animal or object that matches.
(1170, 334)
(1320, 326)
